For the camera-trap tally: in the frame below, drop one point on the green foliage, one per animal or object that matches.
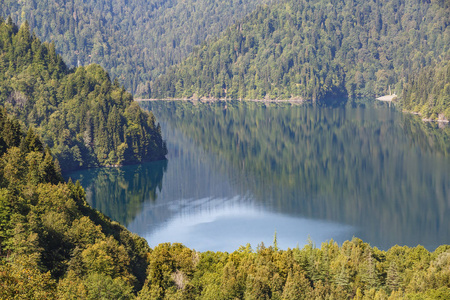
(25, 282)
(177, 272)
(52, 244)
(441, 293)
(134, 40)
(11, 134)
(314, 50)
(428, 92)
(84, 118)
(94, 286)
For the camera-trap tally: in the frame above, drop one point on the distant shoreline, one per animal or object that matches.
(296, 100)
(440, 120)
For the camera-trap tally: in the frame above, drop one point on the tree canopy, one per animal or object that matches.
(428, 92)
(314, 50)
(133, 40)
(53, 245)
(84, 118)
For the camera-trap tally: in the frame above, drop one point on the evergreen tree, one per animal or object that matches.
(79, 113)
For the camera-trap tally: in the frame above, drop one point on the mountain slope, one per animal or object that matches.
(85, 119)
(314, 50)
(133, 40)
(49, 234)
(428, 92)
(53, 245)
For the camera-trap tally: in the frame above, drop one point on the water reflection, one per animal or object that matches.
(373, 168)
(228, 228)
(120, 192)
(208, 204)
(238, 172)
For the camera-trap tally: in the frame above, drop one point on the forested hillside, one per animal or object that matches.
(53, 245)
(428, 92)
(84, 118)
(316, 49)
(133, 40)
(293, 49)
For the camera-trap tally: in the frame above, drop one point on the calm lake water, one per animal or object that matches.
(237, 173)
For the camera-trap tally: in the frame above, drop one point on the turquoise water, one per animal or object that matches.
(238, 172)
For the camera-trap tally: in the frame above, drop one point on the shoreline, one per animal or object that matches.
(208, 100)
(114, 166)
(441, 119)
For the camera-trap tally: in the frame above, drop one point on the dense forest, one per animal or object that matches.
(428, 92)
(133, 40)
(54, 246)
(290, 49)
(51, 242)
(85, 118)
(314, 50)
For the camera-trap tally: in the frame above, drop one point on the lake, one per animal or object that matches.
(239, 172)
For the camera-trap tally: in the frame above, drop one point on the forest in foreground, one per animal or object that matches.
(53, 245)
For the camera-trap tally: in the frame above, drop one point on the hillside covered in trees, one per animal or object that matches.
(53, 245)
(289, 49)
(84, 118)
(133, 40)
(314, 50)
(428, 92)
